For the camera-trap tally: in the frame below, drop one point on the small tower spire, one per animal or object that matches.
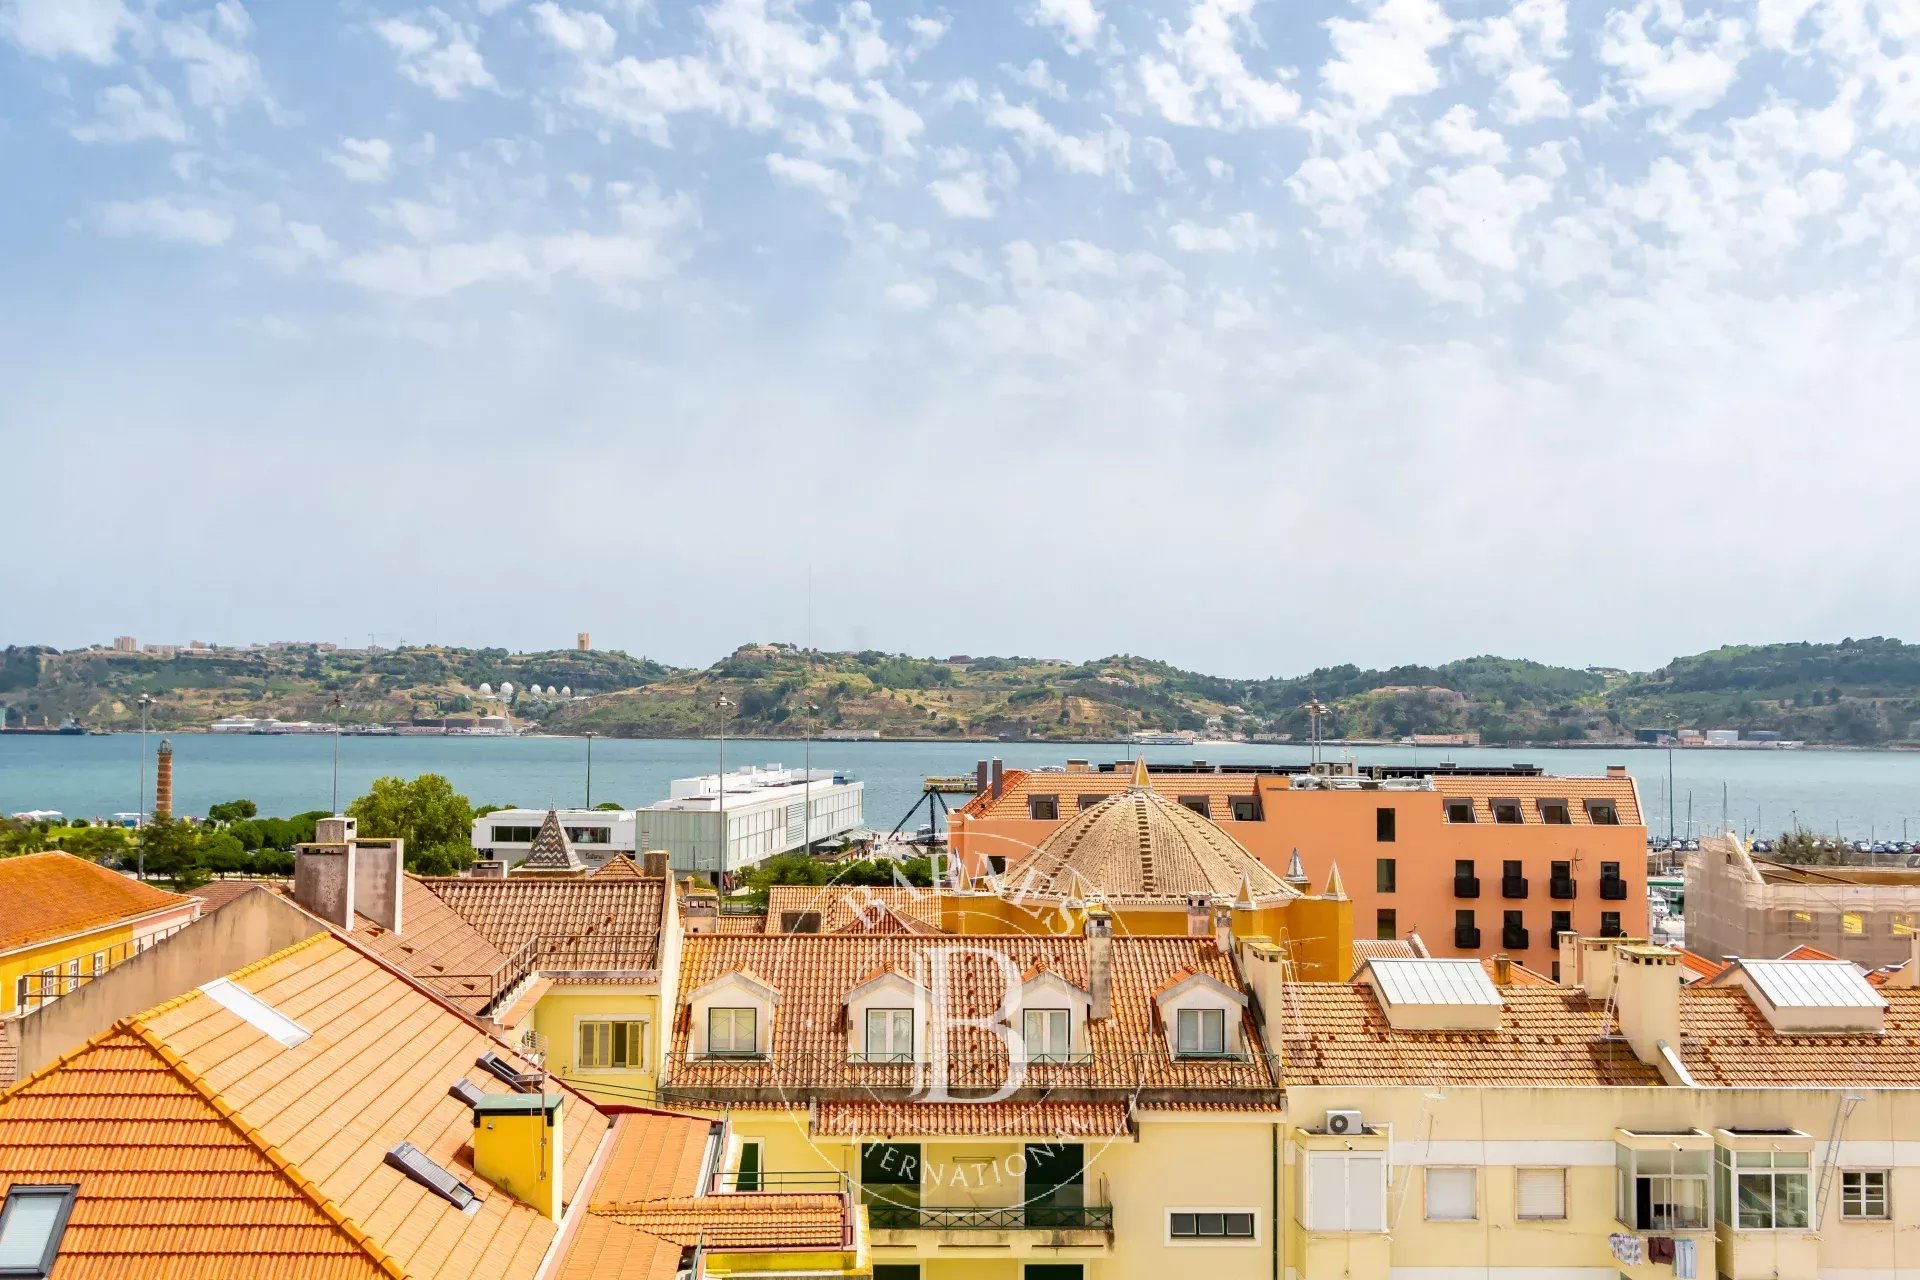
(1335, 889)
(1296, 870)
(1140, 782)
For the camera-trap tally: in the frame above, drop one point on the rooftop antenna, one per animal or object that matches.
(1315, 709)
(808, 707)
(721, 787)
(335, 704)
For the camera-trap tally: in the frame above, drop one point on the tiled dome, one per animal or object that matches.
(1138, 847)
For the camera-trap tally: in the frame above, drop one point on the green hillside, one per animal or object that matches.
(1862, 692)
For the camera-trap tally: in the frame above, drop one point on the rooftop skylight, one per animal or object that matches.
(255, 1012)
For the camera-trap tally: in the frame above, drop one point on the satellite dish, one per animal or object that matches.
(566, 691)
(506, 688)
(486, 688)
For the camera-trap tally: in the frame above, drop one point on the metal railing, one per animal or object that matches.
(729, 1181)
(886, 1216)
(547, 951)
(799, 1072)
(42, 987)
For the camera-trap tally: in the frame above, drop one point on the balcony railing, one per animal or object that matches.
(1613, 889)
(552, 953)
(1466, 886)
(1513, 939)
(1562, 889)
(1513, 886)
(1466, 939)
(1026, 1217)
(726, 1182)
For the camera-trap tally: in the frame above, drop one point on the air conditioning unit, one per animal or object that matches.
(1345, 1122)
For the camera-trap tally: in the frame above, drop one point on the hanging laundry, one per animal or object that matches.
(1660, 1249)
(1627, 1249)
(1685, 1265)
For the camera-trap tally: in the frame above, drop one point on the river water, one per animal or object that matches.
(1856, 793)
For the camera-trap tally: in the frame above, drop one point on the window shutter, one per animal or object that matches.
(1450, 1195)
(1326, 1191)
(1540, 1193)
(1366, 1193)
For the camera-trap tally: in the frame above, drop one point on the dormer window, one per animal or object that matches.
(1459, 811)
(1048, 1034)
(1200, 1033)
(889, 1035)
(733, 1033)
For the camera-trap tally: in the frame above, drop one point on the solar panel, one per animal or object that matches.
(507, 1072)
(255, 1012)
(413, 1162)
(467, 1091)
(1442, 982)
(1813, 984)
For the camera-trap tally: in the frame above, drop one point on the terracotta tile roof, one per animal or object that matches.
(203, 1147)
(1726, 1040)
(1139, 844)
(839, 905)
(653, 1155)
(588, 922)
(878, 917)
(1365, 949)
(738, 924)
(50, 895)
(1805, 952)
(620, 866)
(1033, 1119)
(1336, 1033)
(747, 1220)
(1220, 789)
(813, 973)
(437, 946)
(9, 1052)
(1521, 976)
(1575, 791)
(1698, 966)
(218, 893)
(603, 1249)
(1149, 1109)
(551, 850)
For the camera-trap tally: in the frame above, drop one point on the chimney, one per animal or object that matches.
(1223, 926)
(999, 776)
(163, 783)
(517, 1147)
(1908, 974)
(1502, 969)
(980, 777)
(653, 864)
(339, 829)
(1648, 1000)
(1198, 920)
(487, 869)
(703, 912)
(1567, 945)
(323, 882)
(379, 872)
(1616, 771)
(1099, 934)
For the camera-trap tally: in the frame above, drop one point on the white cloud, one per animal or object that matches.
(85, 29)
(1386, 56)
(1477, 211)
(963, 196)
(1203, 80)
(1077, 21)
(124, 113)
(1531, 93)
(441, 59)
(1095, 154)
(164, 218)
(1688, 73)
(912, 295)
(1457, 134)
(221, 72)
(1036, 76)
(825, 181)
(423, 220)
(578, 31)
(1241, 233)
(363, 159)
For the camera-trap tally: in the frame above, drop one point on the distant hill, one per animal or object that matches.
(1862, 692)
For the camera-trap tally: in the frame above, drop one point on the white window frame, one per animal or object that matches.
(731, 1048)
(1626, 1195)
(891, 1024)
(607, 1038)
(1856, 1211)
(1729, 1171)
(1198, 1048)
(1559, 1174)
(1346, 1159)
(1046, 1046)
(1212, 1242)
(1450, 1171)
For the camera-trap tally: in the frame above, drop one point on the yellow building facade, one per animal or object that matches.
(65, 921)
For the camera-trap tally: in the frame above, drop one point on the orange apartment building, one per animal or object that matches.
(1477, 860)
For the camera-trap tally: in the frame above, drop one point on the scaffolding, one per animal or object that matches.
(1740, 905)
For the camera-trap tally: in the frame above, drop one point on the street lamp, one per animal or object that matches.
(589, 768)
(806, 772)
(140, 809)
(721, 784)
(336, 751)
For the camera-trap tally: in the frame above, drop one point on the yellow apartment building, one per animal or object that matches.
(1444, 1124)
(65, 921)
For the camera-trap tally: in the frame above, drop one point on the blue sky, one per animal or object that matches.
(1248, 335)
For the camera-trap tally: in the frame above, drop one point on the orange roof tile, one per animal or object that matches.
(374, 1070)
(813, 973)
(218, 893)
(653, 1155)
(868, 1118)
(437, 947)
(1575, 791)
(620, 867)
(1726, 1040)
(841, 905)
(589, 922)
(738, 924)
(51, 895)
(745, 1220)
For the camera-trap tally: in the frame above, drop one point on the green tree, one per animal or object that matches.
(611, 805)
(170, 849)
(232, 811)
(425, 812)
(98, 844)
(440, 859)
(224, 854)
(17, 837)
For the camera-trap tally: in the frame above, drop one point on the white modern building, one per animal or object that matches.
(597, 834)
(766, 813)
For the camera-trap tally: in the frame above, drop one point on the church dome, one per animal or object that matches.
(1137, 847)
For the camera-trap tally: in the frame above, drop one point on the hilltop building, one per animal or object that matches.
(1742, 905)
(1476, 860)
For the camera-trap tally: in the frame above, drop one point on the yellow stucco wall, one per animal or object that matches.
(15, 964)
(557, 1017)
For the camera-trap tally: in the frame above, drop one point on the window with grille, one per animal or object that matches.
(1346, 1191)
(1863, 1194)
(1539, 1194)
(1043, 808)
(611, 1044)
(1450, 1195)
(1210, 1224)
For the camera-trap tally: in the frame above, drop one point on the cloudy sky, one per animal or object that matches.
(1250, 335)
